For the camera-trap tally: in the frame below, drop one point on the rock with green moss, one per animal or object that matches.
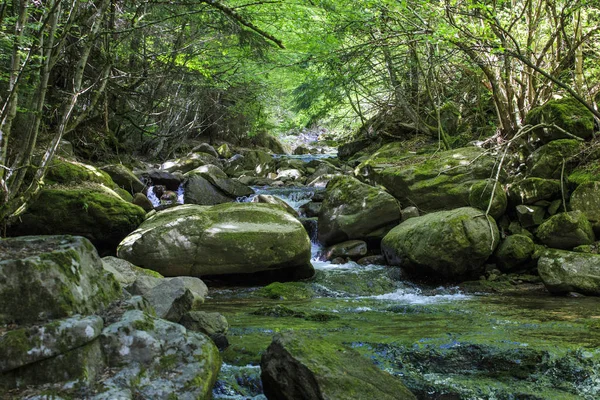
(270, 199)
(568, 114)
(70, 172)
(189, 162)
(141, 200)
(233, 238)
(124, 194)
(440, 181)
(224, 151)
(286, 291)
(81, 366)
(353, 249)
(530, 216)
(125, 272)
(531, 190)
(442, 245)
(45, 277)
(99, 215)
(484, 192)
(566, 230)
(586, 198)
(547, 161)
(23, 346)
(514, 253)
(199, 190)
(209, 323)
(260, 163)
(229, 187)
(124, 178)
(354, 210)
(157, 359)
(566, 271)
(297, 367)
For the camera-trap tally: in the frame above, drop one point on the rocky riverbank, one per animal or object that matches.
(437, 266)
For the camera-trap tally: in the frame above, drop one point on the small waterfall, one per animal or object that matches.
(156, 202)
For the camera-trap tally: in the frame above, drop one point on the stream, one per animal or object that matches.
(441, 341)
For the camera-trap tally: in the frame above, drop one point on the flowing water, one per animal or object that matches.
(442, 342)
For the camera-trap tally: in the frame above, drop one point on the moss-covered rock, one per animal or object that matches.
(547, 161)
(229, 187)
(530, 216)
(565, 271)
(286, 291)
(99, 215)
(234, 238)
(189, 162)
(566, 230)
(259, 162)
(445, 245)
(531, 190)
(24, 346)
(484, 192)
(295, 367)
(158, 359)
(52, 277)
(270, 199)
(514, 253)
(224, 151)
(354, 210)
(586, 198)
(431, 182)
(70, 172)
(124, 178)
(567, 113)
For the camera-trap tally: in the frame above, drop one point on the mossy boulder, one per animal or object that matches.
(199, 190)
(234, 238)
(311, 367)
(354, 210)
(70, 172)
(547, 161)
(434, 182)
(270, 199)
(163, 359)
(260, 163)
(531, 190)
(45, 277)
(124, 178)
(566, 271)
(568, 114)
(445, 245)
(219, 179)
(27, 345)
(95, 213)
(514, 253)
(189, 162)
(586, 198)
(566, 231)
(286, 291)
(486, 192)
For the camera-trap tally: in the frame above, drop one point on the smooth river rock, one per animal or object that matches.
(442, 245)
(234, 238)
(566, 271)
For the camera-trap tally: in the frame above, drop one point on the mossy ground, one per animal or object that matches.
(528, 344)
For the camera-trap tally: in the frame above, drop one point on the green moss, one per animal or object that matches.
(72, 172)
(147, 272)
(14, 344)
(147, 324)
(567, 113)
(286, 291)
(168, 362)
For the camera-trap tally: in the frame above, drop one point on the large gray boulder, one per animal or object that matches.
(47, 277)
(189, 162)
(234, 238)
(548, 161)
(442, 245)
(586, 198)
(430, 182)
(199, 190)
(230, 187)
(312, 368)
(354, 210)
(566, 231)
(565, 271)
(157, 359)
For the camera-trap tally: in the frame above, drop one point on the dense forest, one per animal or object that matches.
(119, 77)
(299, 199)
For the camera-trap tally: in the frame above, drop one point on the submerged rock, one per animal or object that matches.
(354, 210)
(43, 277)
(442, 245)
(235, 238)
(295, 368)
(565, 271)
